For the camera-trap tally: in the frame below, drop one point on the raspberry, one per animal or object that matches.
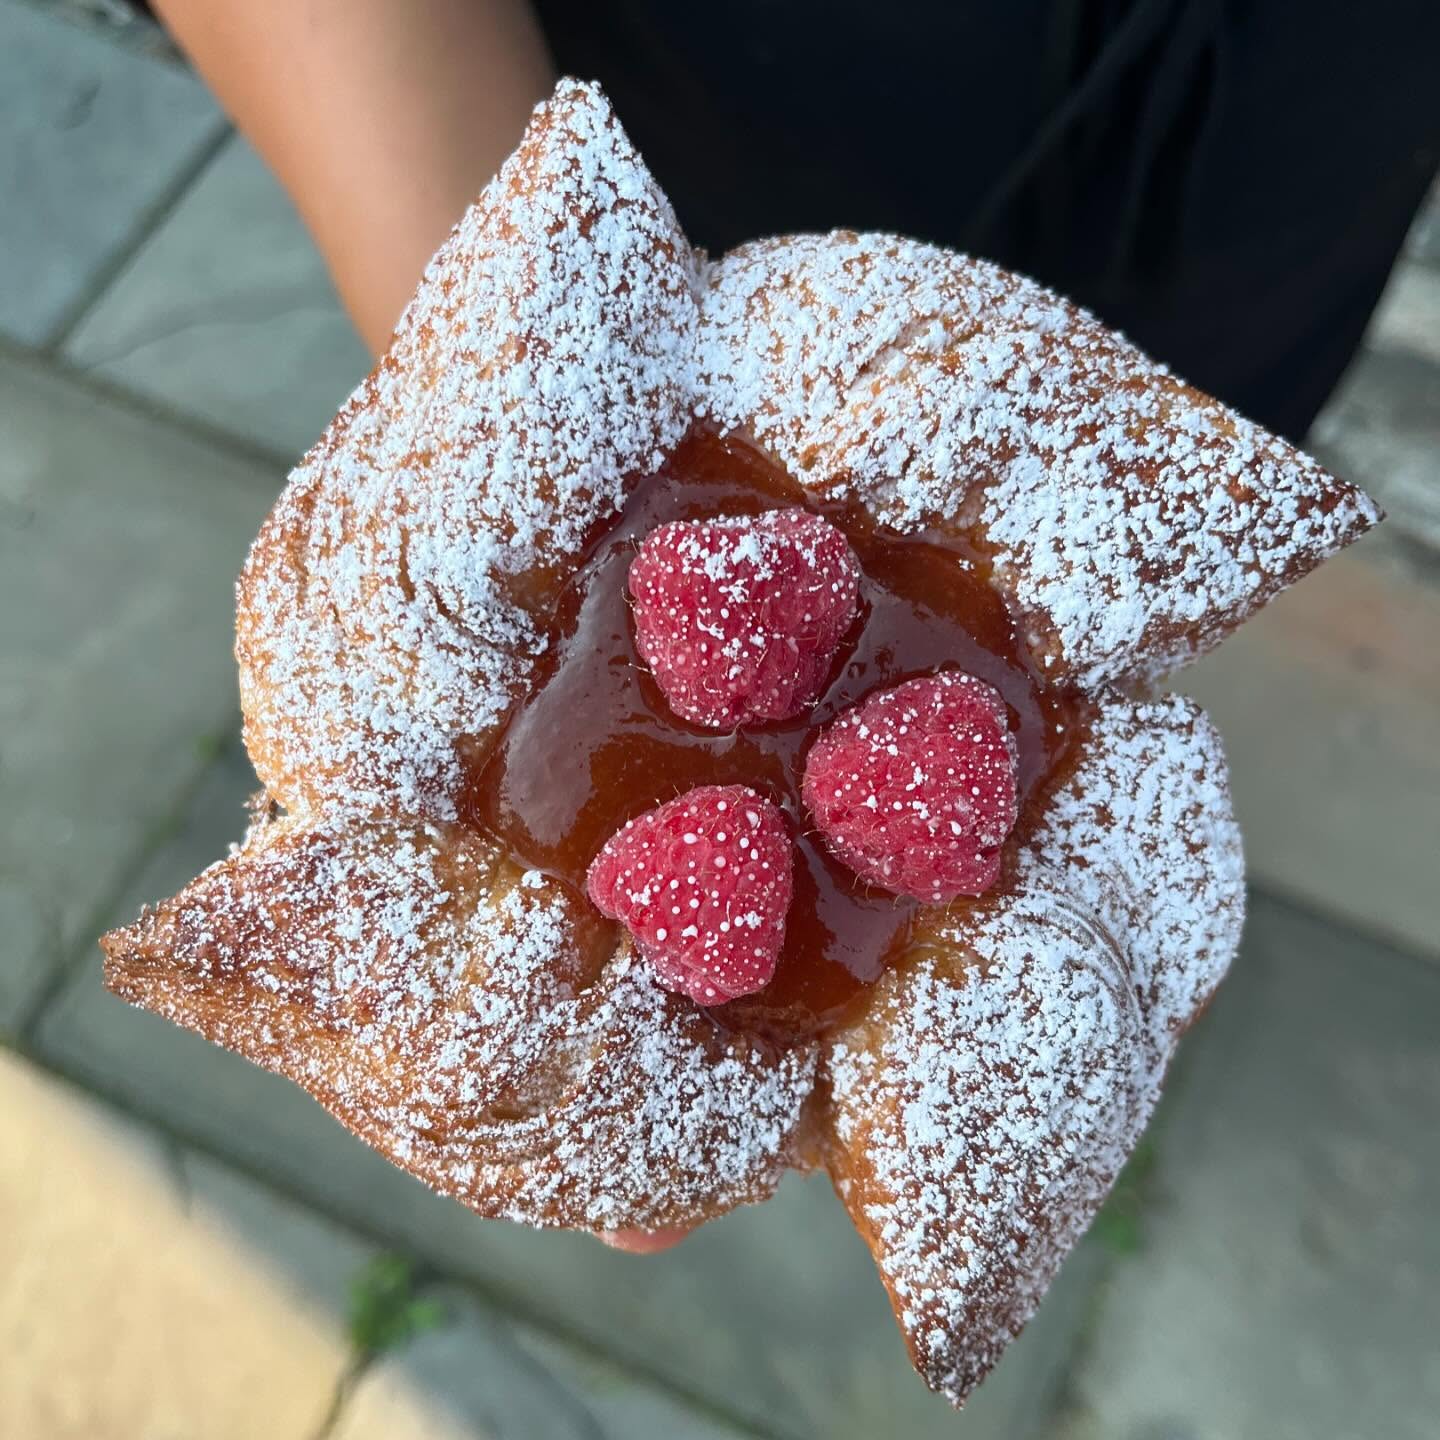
(703, 884)
(914, 788)
(739, 618)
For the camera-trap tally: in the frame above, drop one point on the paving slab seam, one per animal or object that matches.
(501, 1301)
(425, 1279)
(1281, 1286)
(246, 311)
(84, 946)
(154, 412)
(1401, 947)
(1063, 1414)
(1070, 1414)
(1063, 1411)
(147, 222)
(344, 1386)
(588, 1425)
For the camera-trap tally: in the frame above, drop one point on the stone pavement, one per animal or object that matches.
(185, 1241)
(150, 1292)
(1287, 1287)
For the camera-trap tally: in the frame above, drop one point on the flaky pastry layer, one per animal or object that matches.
(476, 1023)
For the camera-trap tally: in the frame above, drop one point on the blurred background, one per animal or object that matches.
(192, 1250)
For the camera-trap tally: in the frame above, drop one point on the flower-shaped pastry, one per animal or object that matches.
(461, 1004)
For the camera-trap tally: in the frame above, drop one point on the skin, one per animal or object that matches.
(383, 119)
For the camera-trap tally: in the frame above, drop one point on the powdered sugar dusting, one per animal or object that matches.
(703, 884)
(739, 617)
(395, 599)
(1132, 521)
(986, 1102)
(458, 1014)
(915, 788)
(476, 1023)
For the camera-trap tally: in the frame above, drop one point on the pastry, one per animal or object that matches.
(452, 713)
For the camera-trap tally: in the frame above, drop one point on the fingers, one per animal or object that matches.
(643, 1242)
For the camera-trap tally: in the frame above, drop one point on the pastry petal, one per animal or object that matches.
(1131, 521)
(986, 1102)
(472, 1022)
(395, 598)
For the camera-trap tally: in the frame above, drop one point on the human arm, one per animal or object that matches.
(382, 118)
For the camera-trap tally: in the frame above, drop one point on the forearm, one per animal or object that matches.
(382, 118)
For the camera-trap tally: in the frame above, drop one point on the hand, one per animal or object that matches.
(643, 1242)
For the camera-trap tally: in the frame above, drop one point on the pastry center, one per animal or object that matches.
(595, 743)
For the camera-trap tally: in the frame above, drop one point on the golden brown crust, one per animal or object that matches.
(470, 1021)
(1131, 520)
(476, 1024)
(397, 595)
(983, 1106)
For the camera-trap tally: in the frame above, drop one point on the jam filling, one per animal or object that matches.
(595, 743)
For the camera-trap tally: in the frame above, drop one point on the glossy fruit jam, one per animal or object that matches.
(595, 742)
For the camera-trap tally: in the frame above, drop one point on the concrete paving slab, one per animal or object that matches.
(119, 543)
(140, 1299)
(119, 22)
(227, 313)
(479, 1377)
(1382, 430)
(774, 1314)
(1287, 1288)
(1408, 316)
(92, 138)
(1329, 703)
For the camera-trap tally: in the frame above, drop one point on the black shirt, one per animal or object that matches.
(1228, 183)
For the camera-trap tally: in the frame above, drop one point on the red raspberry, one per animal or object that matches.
(739, 618)
(914, 788)
(703, 884)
